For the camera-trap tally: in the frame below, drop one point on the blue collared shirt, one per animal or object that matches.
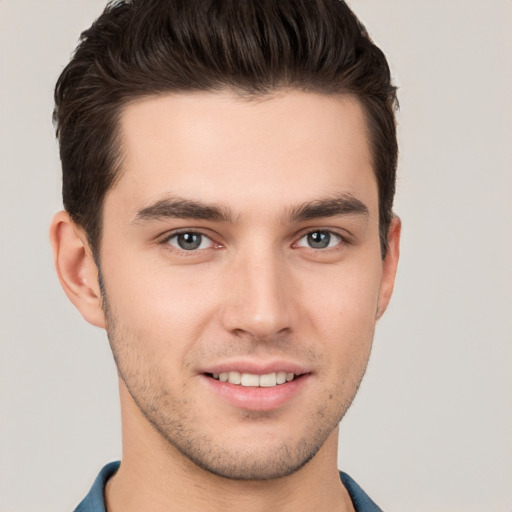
(95, 502)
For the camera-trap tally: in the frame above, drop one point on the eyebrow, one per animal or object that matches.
(181, 208)
(345, 204)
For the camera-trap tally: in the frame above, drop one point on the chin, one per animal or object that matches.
(253, 464)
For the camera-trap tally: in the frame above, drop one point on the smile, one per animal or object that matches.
(268, 380)
(265, 388)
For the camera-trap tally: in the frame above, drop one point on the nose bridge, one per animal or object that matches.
(259, 300)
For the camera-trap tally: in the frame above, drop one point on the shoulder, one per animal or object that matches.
(361, 501)
(94, 501)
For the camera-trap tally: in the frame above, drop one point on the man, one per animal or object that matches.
(228, 180)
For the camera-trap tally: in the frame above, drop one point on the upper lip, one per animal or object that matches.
(257, 367)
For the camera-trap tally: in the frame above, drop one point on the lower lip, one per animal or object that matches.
(257, 398)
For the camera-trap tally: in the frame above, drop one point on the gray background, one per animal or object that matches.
(431, 428)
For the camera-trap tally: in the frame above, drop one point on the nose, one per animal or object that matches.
(259, 297)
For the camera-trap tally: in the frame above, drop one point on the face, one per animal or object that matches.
(242, 274)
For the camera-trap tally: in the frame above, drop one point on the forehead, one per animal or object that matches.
(220, 147)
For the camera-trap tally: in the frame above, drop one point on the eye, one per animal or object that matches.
(190, 241)
(320, 239)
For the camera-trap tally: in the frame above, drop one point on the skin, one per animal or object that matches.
(247, 177)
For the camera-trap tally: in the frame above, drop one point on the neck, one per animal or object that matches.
(155, 476)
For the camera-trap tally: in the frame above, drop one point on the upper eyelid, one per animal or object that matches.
(175, 232)
(343, 234)
(165, 241)
(342, 239)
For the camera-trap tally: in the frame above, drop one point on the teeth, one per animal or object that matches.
(251, 380)
(235, 377)
(268, 381)
(248, 379)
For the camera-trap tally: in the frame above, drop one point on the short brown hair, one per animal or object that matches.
(138, 48)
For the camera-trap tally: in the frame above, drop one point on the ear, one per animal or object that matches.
(77, 271)
(389, 266)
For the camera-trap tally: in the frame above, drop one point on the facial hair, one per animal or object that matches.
(173, 415)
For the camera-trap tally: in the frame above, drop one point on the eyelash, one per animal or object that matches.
(176, 234)
(340, 240)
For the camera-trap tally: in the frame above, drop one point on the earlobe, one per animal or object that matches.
(76, 268)
(389, 266)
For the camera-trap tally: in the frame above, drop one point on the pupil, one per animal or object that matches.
(189, 241)
(319, 239)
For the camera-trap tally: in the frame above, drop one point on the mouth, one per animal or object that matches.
(257, 386)
(253, 380)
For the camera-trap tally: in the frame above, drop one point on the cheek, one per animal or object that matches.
(163, 310)
(343, 315)
(347, 298)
